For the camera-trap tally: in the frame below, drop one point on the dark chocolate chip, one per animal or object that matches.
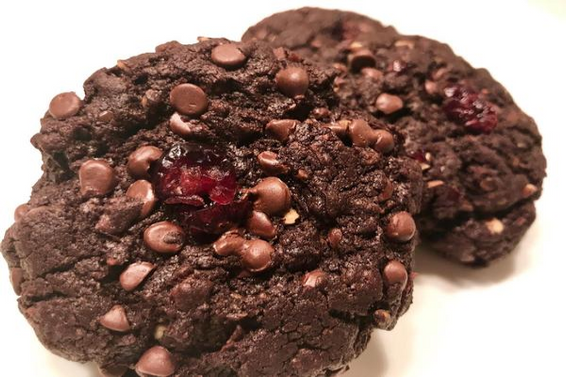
(360, 59)
(140, 160)
(21, 211)
(257, 255)
(156, 362)
(65, 105)
(395, 273)
(340, 128)
(384, 141)
(143, 191)
(116, 319)
(388, 103)
(281, 129)
(228, 56)
(314, 279)
(361, 133)
(401, 227)
(269, 163)
(260, 225)
(292, 81)
(97, 178)
(185, 128)
(189, 99)
(272, 196)
(135, 274)
(164, 237)
(228, 244)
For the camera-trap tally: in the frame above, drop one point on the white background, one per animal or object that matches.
(508, 320)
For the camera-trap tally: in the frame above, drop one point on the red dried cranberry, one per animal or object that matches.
(194, 175)
(214, 219)
(463, 105)
(201, 184)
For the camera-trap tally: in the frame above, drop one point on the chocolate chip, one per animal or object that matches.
(272, 196)
(361, 133)
(112, 370)
(140, 161)
(185, 128)
(384, 141)
(395, 273)
(334, 238)
(361, 58)
(372, 73)
(17, 278)
(260, 225)
(135, 274)
(65, 105)
(528, 191)
(257, 255)
(97, 178)
(228, 244)
(228, 56)
(281, 129)
(388, 103)
(21, 211)
(143, 191)
(292, 81)
(189, 99)
(167, 46)
(269, 163)
(164, 237)
(314, 279)
(340, 128)
(401, 227)
(156, 362)
(116, 319)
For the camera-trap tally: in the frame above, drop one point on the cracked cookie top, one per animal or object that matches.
(481, 155)
(211, 210)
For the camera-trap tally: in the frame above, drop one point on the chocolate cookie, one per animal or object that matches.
(210, 210)
(480, 154)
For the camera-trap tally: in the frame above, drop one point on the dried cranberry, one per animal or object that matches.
(463, 105)
(194, 175)
(201, 184)
(214, 219)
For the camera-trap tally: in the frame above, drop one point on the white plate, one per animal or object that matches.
(507, 320)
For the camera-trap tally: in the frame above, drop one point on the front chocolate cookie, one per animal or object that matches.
(481, 156)
(210, 210)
